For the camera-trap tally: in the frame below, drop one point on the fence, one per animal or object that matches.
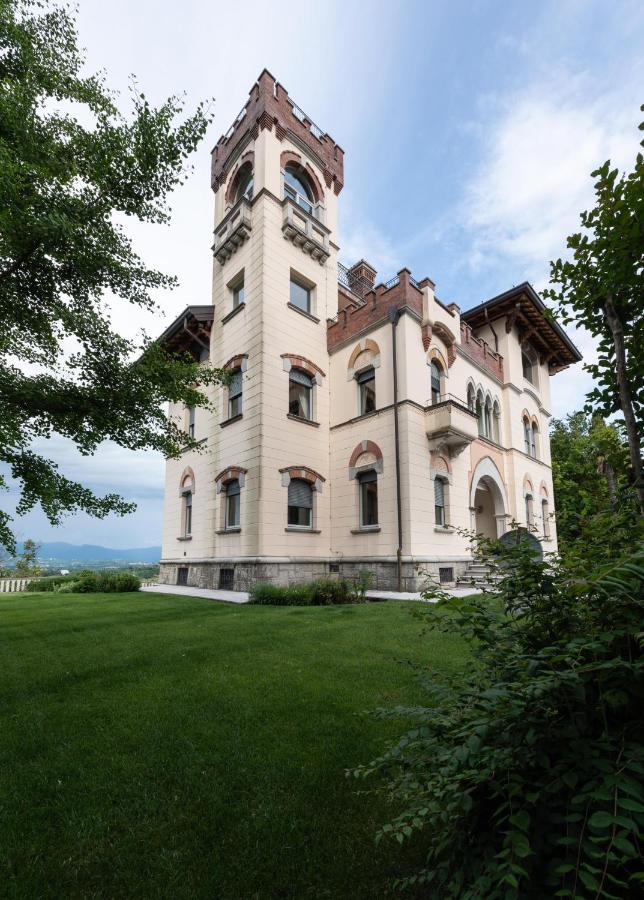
(12, 585)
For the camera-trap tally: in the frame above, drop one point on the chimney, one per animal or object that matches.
(362, 277)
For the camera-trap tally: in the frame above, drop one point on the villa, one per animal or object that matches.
(365, 422)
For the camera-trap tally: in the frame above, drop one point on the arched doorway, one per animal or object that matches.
(488, 500)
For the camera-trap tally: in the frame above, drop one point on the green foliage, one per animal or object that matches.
(49, 583)
(27, 563)
(526, 777)
(594, 499)
(65, 188)
(602, 289)
(87, 582)
(106, 583)
(323, 592)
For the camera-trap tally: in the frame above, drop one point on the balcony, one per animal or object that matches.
(305, 231)
(233, 230)
(450, 425)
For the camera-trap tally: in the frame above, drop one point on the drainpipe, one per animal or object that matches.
(394, 315)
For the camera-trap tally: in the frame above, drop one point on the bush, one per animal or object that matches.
(49, 582)
(524, 777)
(107, 583)
(323, 592)
(276, 595)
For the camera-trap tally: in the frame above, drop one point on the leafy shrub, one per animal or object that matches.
(68, 587)
(323, 592)
(276, 595)
(108, 582)
(525, 777)
(49, 582)
(329, 591)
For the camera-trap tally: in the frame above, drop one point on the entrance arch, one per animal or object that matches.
(488, 500)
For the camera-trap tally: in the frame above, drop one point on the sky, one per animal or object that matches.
(469, 128)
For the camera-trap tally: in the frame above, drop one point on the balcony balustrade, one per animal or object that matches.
(450, 425)
(305, 231)
(233, 230)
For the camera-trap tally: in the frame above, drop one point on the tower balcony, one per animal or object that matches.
(233, 230)
(450, 425)
(305, 231)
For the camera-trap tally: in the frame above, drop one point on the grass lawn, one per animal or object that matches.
(156, 746)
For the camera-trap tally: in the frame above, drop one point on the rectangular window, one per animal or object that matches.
(239, 295)
(235, 395)
(439, 501)
(191, 421)
(368, 499)
(232, 505)
(300, 296)
(300, 394)
(300, 503)
(187, 514)
(367, 391)
(526, 365)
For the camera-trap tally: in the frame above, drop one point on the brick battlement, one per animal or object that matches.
(480, 352)
(352, 321)
(270, 106)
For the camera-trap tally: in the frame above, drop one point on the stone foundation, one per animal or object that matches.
(214, 574)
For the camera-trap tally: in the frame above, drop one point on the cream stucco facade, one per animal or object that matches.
(302, 469)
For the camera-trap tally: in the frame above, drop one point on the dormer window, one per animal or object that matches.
(298, 187)
(244, 186)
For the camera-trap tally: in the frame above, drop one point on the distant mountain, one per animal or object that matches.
(61, 552)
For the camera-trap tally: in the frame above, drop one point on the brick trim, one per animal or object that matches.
(246, 159)
(362, 347)
(301, 362)
(230, 473)
(303, 472)
(237, 362)
(365, 447)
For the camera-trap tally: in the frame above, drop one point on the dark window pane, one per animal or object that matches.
(244, 184)
(436, 383)
(239, 295)
(299, 400)
(232, 509)
(367, 387)
(368, 503)
(300, 296)
(299, 515)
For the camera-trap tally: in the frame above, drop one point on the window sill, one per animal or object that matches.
(302, 420)
(230, 421)
(233, 313)
(302, 529)
(234, 530)
(366, 529)
(303, 312)
(188, 537)
(446, 529)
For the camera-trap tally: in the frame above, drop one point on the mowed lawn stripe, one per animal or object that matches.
(158, 746)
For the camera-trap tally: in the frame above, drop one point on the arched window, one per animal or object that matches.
(487, 418)
(545, 517)
(471, 398)
(368, 487)
(300, 503)
(528, 511)
(527, 435)
(534, 431)
(300, 394)
(231, 517)
(366, 390)
(496, 422)
(244, 186)
(480, 412)
(435, 373)
(187, 489)
(297, 186)
(191, 421)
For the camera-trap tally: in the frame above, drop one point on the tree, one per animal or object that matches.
(602, 288)
(27, 562)
(591, 484)
(63, 188)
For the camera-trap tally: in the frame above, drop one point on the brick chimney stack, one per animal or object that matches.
(362, 277)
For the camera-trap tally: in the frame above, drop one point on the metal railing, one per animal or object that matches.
(301, 116)
(449, 398)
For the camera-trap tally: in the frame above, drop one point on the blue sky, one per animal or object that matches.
(469, 130)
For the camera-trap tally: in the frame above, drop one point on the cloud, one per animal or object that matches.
(533, 178)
